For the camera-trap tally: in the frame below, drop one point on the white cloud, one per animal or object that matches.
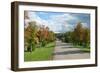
(34, 17)
(85, 25)
(56, 23)
(64, 17)
(44, 13)
(60, 22)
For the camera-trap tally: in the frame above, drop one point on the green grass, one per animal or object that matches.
(40, 54)
(84, 49)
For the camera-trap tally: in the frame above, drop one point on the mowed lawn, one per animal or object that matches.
(40, 54)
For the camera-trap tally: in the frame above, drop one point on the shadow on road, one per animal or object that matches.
(69, 52)
(62, 44)
(65, 47)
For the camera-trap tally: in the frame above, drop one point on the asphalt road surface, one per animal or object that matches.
(65, 51)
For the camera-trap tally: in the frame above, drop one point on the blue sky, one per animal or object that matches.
(60, 21)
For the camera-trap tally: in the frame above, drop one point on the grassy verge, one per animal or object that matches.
(84, 49)
(40, 54)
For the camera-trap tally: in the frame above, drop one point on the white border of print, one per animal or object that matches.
(34, 64)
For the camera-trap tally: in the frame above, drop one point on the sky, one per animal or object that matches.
(59, 22)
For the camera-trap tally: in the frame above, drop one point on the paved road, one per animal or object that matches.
(68, 51)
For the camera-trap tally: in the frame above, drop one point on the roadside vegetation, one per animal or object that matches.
(38, 42)
(40, 53)
(80, 37)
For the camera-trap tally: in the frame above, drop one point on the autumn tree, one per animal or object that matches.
(37, 36)
(51, 36)
(78, 34)
(30, 36)
(86, 37)
(45, 35)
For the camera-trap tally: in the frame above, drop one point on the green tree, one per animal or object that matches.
(86, 37)
(78, 34)
(68, 37)
(30, 35)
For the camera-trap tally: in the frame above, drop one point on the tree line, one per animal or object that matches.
(37, 36)
(79, 36)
